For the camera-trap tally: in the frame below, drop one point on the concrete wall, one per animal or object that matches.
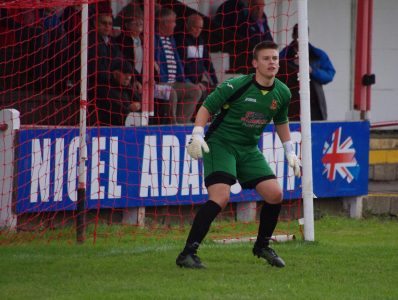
(332, 26)
(385, 60)
(331, 30)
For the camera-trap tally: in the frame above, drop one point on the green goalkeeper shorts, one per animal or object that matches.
(226, 164)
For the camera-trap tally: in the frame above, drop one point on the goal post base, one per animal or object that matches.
(275, 238)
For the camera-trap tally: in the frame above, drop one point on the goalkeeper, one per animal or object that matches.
(245, 105)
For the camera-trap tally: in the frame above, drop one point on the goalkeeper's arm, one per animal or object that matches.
(197, 142)
(202, 117)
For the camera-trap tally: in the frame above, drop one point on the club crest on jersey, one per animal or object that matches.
(274, 105)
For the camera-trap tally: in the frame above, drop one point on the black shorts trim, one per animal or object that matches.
(253, 183)
(219, 177)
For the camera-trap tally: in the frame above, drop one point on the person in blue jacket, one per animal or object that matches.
(321, 72)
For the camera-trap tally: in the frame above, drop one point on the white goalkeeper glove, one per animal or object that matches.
(293, 160)
(197, 143)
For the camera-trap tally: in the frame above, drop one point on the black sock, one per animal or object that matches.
(268, 219)
(201, 225)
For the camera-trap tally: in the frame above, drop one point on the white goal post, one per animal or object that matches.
(305, 117)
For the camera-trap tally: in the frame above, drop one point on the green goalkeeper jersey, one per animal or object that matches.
(244, 108)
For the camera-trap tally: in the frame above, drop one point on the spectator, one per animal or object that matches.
(321, 72)
(224, 30)
(52, 22)
(28, 27)
(121, 98)
(253, 23)
(130, 41)
(194, 53)
(72, 22)
(104, 71)
(253, 29)
(127, 11)
(54, 51)
(7, 35)
(30, 42)
(227, 14)
(170, 70)
(40, 40)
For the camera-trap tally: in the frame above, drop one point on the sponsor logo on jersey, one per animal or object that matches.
(274, 105)
(250, 100)
(254, 119)
(339, 157)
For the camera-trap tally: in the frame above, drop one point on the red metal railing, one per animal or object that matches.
(384, 124)
(363, 56)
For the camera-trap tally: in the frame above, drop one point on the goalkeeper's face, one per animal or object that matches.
(267, 63)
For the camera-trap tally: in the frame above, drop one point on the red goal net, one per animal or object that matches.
(140, 79)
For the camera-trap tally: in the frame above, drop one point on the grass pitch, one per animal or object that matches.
(351, 259)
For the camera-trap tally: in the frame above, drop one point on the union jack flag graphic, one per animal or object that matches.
(339, 157)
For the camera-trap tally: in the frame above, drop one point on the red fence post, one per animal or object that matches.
(363, 56)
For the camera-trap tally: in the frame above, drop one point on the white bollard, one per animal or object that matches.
(246, 211)
(354, 205)
(134, 119)
(9, 123)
